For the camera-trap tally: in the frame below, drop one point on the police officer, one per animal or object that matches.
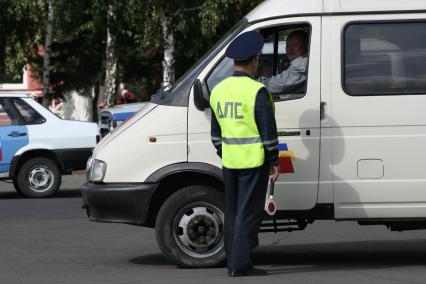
(244, 132)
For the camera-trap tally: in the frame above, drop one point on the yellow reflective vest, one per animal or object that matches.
(233, 103)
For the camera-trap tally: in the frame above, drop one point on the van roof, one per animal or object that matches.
(283, 8)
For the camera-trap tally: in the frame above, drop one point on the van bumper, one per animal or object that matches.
(117, 203)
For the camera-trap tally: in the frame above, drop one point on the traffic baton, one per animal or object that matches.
(270, 205)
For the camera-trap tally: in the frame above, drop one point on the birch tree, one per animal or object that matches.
(111, 58)
(186, 29)
(47, 51)
(169, 48)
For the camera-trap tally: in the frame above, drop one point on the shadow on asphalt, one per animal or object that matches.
(342, 256)
(328, 256)
(151, 259)
(59, 194)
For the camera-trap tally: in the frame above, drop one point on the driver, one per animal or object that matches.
(293, 79)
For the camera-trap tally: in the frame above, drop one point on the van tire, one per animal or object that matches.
(201, 208)
(39, 177)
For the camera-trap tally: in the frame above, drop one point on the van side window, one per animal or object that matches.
(284, 75)
(5, 119)
(385, 58)
(29, 115)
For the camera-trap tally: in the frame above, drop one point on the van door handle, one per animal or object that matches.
(288, 133)
(322, 110)
(16, 134)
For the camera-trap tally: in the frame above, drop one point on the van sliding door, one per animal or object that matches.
(379, 131)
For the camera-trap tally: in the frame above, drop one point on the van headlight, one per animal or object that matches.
(95, 170)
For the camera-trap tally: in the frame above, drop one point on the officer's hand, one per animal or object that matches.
(274, 172)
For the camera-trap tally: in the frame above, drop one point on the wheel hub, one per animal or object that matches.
(199, 231)
(40, 178)
(202, 231)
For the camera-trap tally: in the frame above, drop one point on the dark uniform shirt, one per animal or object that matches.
(265, 121)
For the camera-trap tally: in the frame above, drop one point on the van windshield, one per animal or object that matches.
(178, 94)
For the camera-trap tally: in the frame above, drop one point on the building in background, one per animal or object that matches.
(32, 87)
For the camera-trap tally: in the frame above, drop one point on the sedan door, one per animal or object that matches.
(13, 135)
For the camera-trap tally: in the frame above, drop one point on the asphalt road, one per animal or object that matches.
(51, 241)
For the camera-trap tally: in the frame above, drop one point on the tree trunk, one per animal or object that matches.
(78, 105)
(96, 90)
(169, 47)
(46, 59)
(111, 62)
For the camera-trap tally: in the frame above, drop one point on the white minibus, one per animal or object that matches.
(352, 142)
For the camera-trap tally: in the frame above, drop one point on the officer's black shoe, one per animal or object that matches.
(248, 272)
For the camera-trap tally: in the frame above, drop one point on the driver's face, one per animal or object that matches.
(294, 48)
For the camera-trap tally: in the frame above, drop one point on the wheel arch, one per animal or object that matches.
(173, 178)
(19, 160)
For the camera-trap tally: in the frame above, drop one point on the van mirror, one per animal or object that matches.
(200, 96)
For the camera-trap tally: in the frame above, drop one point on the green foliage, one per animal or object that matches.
(196, 25)
(19, 20)
(78, 48)
(206, 26)
(79, 37)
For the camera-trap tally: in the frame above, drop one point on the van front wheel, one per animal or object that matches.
(189, 227)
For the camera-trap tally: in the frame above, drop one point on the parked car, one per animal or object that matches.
(37, 147)
(112, 117)
(352, 144)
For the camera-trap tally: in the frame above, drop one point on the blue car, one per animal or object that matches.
(37, 147)
(112, 117)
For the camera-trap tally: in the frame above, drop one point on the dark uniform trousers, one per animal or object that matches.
(245, 191)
